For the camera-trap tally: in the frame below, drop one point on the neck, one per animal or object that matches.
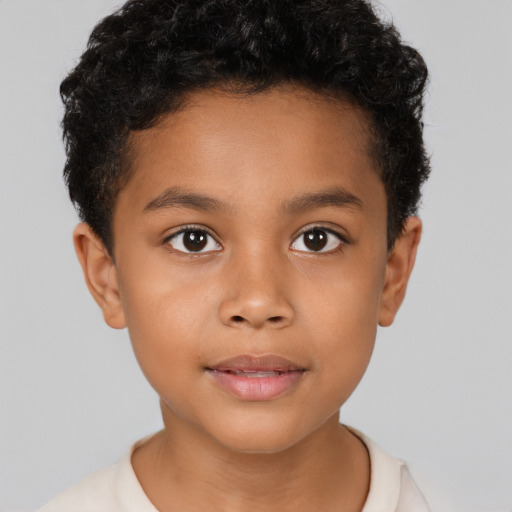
(184, 469)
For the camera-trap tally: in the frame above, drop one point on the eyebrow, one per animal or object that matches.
(337, 197)
(176, 197)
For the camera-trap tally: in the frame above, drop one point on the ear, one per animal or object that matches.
(100, 274)
(398, 269)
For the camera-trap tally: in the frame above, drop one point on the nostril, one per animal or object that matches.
(239, 320)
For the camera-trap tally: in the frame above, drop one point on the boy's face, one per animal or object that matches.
(251, 264)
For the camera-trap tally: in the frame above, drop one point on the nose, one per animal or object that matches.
(256, 294)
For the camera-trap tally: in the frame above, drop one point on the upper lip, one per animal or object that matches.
(249, 363)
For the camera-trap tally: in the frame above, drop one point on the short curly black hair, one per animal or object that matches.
(142, 60)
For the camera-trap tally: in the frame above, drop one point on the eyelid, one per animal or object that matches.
(191, 227)
(336, 231)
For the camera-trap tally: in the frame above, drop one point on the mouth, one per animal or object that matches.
(255, 374)
(256, 378)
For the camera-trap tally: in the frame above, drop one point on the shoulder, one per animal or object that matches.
(96, 492)
(411, 498)
(392, 487)
(112, 489)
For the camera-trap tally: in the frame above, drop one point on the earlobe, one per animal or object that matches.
(100, 274)
(398, 270)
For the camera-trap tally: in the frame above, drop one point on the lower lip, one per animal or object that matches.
(257, 389)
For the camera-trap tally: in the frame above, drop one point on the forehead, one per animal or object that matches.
(273, 144)
(218, 116)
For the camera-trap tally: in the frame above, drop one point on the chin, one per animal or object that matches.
(259, 445)
(259, 437)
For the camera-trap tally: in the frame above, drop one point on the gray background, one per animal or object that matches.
(438, 391)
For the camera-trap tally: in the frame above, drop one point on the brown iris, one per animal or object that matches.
(195, 240)
(315, 239)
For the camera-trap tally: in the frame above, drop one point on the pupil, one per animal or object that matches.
(194, 240)
(315, 239)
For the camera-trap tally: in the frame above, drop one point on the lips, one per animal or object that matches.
(256, 378)
(256, 373)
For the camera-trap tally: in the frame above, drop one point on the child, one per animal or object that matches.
(247, 174)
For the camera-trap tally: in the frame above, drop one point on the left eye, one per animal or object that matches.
(317, 240)
(193, 241)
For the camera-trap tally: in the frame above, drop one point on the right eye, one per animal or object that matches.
(193, 241)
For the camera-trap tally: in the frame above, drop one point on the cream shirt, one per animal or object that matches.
(116, 488)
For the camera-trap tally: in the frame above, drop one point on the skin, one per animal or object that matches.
(256, 290)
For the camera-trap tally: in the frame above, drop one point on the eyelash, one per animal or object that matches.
(315, 227)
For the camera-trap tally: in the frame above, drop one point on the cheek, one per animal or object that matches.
(344, 297)
(346, 342)
(166, 319)
(342, 311)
